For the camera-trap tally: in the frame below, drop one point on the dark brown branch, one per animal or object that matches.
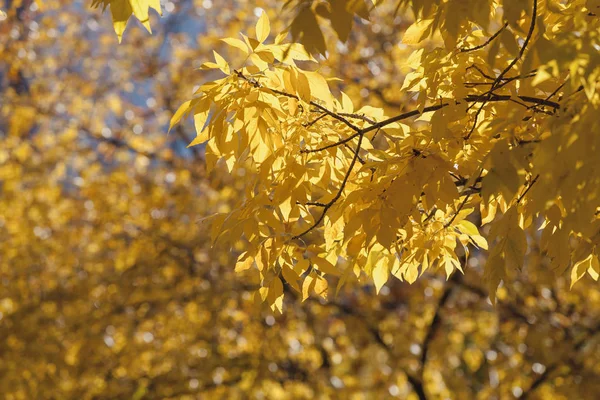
(551, 94)
(415, 382)
(476, 118)
(556, 90)
(497, 97)
(481, 46)
(505, 81)
(467, 192)
(469, 99)
(314, 121)
(475, 67)
(293, 96)
(340, 191)
(525, 43)
(498, 81)
(460, 207)
(538, 381)
(400, 117)
(331, 145)
(313, 203)
(435, 322)
(360, 160)
(358, 116)
(528, 188)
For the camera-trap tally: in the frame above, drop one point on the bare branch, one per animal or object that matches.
(435, 322)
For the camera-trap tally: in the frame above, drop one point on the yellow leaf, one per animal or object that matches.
(181, 111)
(275, 295)
(140, 10)
(594, 269)
(325, 266)
(381, 273)
(468, 227)
(263, 27)
(244, 262)
(290, 277)
(493, 273)
(411, 274)
(332, 232)
(306, 29)
(121, 10)
(221, 63)
(301, 266)
(321, 287)
(347, 105)
(237, 43)
(303, 87)
(542, 75)
(417, 31)
(319, 88)
(581, 267)
(286, 208)
(308, 285)
(480, 241)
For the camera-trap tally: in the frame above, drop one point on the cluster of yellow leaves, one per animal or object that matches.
(405, 207)
(553, 154)
(413, 196)
(122, 10)
(268, 107)
(305, 26)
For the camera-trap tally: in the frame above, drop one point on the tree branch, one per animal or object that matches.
(340, 191)
(528, 188)
(416, 383)
(435, 322)
(498, 81)
(481, 46)
(293, 96)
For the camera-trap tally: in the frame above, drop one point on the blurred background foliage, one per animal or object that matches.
(109, 287)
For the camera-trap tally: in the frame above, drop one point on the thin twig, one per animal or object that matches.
(481, 46)
(312, 203)
(469, 99)
(498, 82)
(340, 191)
(551, 94)
(460, 207)
(475, 67)
(293, 96)
(314, 121)
(329, 146)
(525, 43)
(528, 188)
(358, 116)
(360, 160)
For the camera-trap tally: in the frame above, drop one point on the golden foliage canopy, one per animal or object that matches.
(369, 146)
(497, 130)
